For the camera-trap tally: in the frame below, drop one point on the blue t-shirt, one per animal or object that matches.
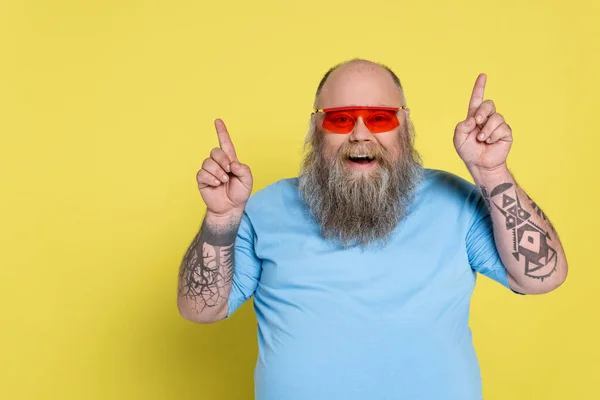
(348, 324)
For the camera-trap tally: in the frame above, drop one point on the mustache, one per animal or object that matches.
(352, 150)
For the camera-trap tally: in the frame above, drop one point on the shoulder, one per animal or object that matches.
(444, 180)
(449, 199)
(447, 193)
(274, 195)
(446, 184)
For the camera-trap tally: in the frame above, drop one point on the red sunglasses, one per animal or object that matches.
(342, 120)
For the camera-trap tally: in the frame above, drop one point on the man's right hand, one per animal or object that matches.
(225, 184)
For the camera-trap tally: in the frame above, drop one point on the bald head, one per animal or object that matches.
(359, 82)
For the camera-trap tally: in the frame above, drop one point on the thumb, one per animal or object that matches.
(465, 127)
(242, 172)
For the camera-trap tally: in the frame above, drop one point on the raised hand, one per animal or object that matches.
(225, 184)
(483, 140)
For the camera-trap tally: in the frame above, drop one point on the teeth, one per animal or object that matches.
(362, 158)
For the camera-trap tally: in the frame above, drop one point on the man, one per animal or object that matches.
(362, 268)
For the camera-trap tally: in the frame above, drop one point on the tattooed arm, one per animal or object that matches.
(525, 239)
(528, 245)
(206, 272)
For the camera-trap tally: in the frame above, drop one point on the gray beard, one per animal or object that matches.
(355, 208)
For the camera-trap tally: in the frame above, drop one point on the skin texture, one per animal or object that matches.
(360, 83)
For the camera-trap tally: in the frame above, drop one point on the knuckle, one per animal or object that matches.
(244, 170)
(219, 156)
(202, 176)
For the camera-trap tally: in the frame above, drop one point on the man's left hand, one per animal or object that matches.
(483, 140)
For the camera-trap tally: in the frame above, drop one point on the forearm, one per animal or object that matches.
(526, 241)
(206, 272)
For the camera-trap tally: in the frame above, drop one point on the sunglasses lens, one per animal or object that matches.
(376, 121)
(339, 122)
(381, 121)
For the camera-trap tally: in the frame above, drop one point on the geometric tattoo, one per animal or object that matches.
(207, 269)
(530, 242)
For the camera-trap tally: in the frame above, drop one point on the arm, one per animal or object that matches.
(525, 239)
(206, 272)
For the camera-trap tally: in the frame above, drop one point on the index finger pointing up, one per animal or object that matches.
(224, 139)
(477, 95)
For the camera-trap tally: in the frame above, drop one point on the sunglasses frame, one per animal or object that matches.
(350, 108)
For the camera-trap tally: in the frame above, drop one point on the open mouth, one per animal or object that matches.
(361, 159)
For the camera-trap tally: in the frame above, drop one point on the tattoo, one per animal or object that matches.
(207, 267)
(539, 212)
(486, 198)
(530, 242)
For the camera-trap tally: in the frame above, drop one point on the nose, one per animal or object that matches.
(360, 133)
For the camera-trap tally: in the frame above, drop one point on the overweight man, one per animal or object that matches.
(362, 267)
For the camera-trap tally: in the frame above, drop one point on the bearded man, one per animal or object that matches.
(362, 268)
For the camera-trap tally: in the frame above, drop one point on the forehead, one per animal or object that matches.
(359, 84)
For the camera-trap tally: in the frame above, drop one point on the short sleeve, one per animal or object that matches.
(247, 266)
(481, 247)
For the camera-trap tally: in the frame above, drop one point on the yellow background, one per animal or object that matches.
(106, 112)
